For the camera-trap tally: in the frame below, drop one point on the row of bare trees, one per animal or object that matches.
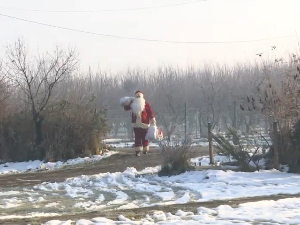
(56, 111)
(209, 93)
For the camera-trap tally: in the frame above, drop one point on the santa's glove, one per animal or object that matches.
(153, 122)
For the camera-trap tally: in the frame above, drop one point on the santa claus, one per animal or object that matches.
(141, 117)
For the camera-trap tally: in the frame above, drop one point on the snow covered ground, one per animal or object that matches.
(20, 167)
(129, 144)
(135, 189)
(129, 190)
(132, 189)
(285, 211)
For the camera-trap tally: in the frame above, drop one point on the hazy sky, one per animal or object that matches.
(206, 21)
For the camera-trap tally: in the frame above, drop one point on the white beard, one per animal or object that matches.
(138, 105)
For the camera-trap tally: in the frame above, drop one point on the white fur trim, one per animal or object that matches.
(138, 149)
(153, 121)
(146, 148)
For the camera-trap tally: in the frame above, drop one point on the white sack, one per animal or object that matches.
(152, 133)
(125, 100)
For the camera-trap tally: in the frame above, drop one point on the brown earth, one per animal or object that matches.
(116, 163)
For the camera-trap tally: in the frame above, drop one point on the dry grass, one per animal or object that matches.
(176, 157)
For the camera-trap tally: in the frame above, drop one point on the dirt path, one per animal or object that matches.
(116, 163)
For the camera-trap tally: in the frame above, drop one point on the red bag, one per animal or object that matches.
(159, 133)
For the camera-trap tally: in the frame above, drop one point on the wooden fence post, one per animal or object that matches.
(185, 123)
(211, 156)
(276, 145)
(235, 138)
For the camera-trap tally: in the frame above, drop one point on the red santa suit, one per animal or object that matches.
(141, 117)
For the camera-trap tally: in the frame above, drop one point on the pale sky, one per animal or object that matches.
(206, 21)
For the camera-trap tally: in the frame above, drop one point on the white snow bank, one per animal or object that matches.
(19, 167)
(205, 160)
(30, 215)
(285, 211)
(129, 189)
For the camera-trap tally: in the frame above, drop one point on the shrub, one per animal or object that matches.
(74, 129)
(247, 160)
(289, 147)
(70, 130)
(17, 135)
(176, 157)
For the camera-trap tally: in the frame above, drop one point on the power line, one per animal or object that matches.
(104, 10)
(144, 39)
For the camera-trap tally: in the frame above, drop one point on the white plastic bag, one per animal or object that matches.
(151, 133)
(125, 101)
(154, 133)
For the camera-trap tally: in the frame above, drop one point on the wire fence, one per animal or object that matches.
(192, 123)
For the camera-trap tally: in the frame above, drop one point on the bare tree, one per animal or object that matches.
(214, 89)
(169, 100)
(3, 85)
(277, 97)
(37, 77)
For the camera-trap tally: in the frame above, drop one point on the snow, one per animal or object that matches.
(30, 215)
(132, 189)
(114, 140)
(205, 160)
(284, 211)
(129, 144)
(10, 203)
(135, 189)
(20, 167)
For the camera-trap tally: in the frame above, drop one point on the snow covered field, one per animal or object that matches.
(135, 189)
(131, 189)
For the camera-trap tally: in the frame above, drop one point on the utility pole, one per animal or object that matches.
(200, 123)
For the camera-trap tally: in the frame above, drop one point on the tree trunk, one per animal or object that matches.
(116, 129)
(266, 125)
(168, 136)
(38, 129)
(38, 121)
